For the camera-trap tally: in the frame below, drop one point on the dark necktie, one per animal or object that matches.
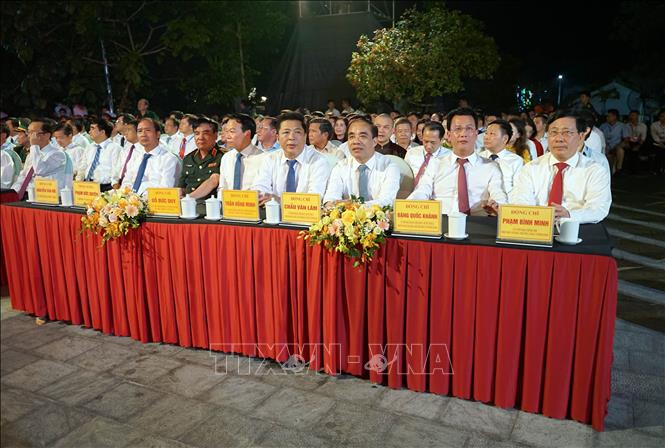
(141, 172)
(421, 171)
(124, 167)
(363, 182)
(494, 157)
(95, 162)
(291, 176)
(26, 181)
(556, 191)
(462, 190)
(237, 173)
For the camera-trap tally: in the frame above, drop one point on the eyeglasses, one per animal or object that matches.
(565, 133)
(461, 130)
(36, 133)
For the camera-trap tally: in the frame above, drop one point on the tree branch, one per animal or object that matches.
(154, 51)
(96, 61)
(124, 47)
(147, 40)
(141, 6)
(131, 38)
(60, 25)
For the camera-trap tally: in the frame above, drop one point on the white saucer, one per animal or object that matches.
(28, 200)
(212, 219)
(569, 243)
(189, 217)
(466, 235)
(272, 223)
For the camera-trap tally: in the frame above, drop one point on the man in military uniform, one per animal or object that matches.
(199, 165)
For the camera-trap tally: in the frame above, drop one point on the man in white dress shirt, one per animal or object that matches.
(6, 169)
(366, 173)
(157, 167)
(44, 159)
(63, 134)
(239, 166)
(496, 138)
(295, 168)
(576, 186)
(131, 149)
(81, 137)
(418, 158)
(100, 157)
(320, 131)
(463, 181)
(266, 135)
(185, 143)
(171, 132)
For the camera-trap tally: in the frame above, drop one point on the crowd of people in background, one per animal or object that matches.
(340, 154)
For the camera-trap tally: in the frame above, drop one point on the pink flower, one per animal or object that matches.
(383, 225)
(112, 218)
(132, 211)
(333, 228)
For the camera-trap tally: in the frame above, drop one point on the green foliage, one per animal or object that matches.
(426, 54)
(186, 54)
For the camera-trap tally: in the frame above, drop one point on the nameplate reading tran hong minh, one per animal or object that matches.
(46, 191)
(301, 208)
(417, 218)
(164, 201)
(85, 192)
(526, 225)
(240, 205)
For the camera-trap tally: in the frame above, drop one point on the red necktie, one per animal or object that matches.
(556, 191)
(183, 145)
(421, 171)
(124, 167)
(462, 191)
(26, 181)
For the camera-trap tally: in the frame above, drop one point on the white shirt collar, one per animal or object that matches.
(473, 158)
(570, 162)
(371, 163)
(301, 157)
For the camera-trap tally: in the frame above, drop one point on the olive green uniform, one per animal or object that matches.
(195, 170)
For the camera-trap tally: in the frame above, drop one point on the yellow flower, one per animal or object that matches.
(334, 214)
(361, 214)
(348, 217)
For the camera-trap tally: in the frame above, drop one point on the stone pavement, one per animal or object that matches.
(67, 386)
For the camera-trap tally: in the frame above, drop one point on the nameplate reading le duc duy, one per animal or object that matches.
(46, 191)
(301, 208)
(164, 201)
(524, 224)
(85, 192)
(417, 218)
(240, 205)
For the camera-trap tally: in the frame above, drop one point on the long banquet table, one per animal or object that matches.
(510, 326)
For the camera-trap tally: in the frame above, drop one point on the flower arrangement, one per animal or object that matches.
(113, 213)
(353, 228)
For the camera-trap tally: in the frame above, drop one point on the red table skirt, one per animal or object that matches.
(5, 196)
(516, 328)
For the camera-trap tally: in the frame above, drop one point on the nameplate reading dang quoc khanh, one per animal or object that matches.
(417, 218)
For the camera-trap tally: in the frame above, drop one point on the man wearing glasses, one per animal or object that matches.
(44, 159)
(463, 181)
(575, 185)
